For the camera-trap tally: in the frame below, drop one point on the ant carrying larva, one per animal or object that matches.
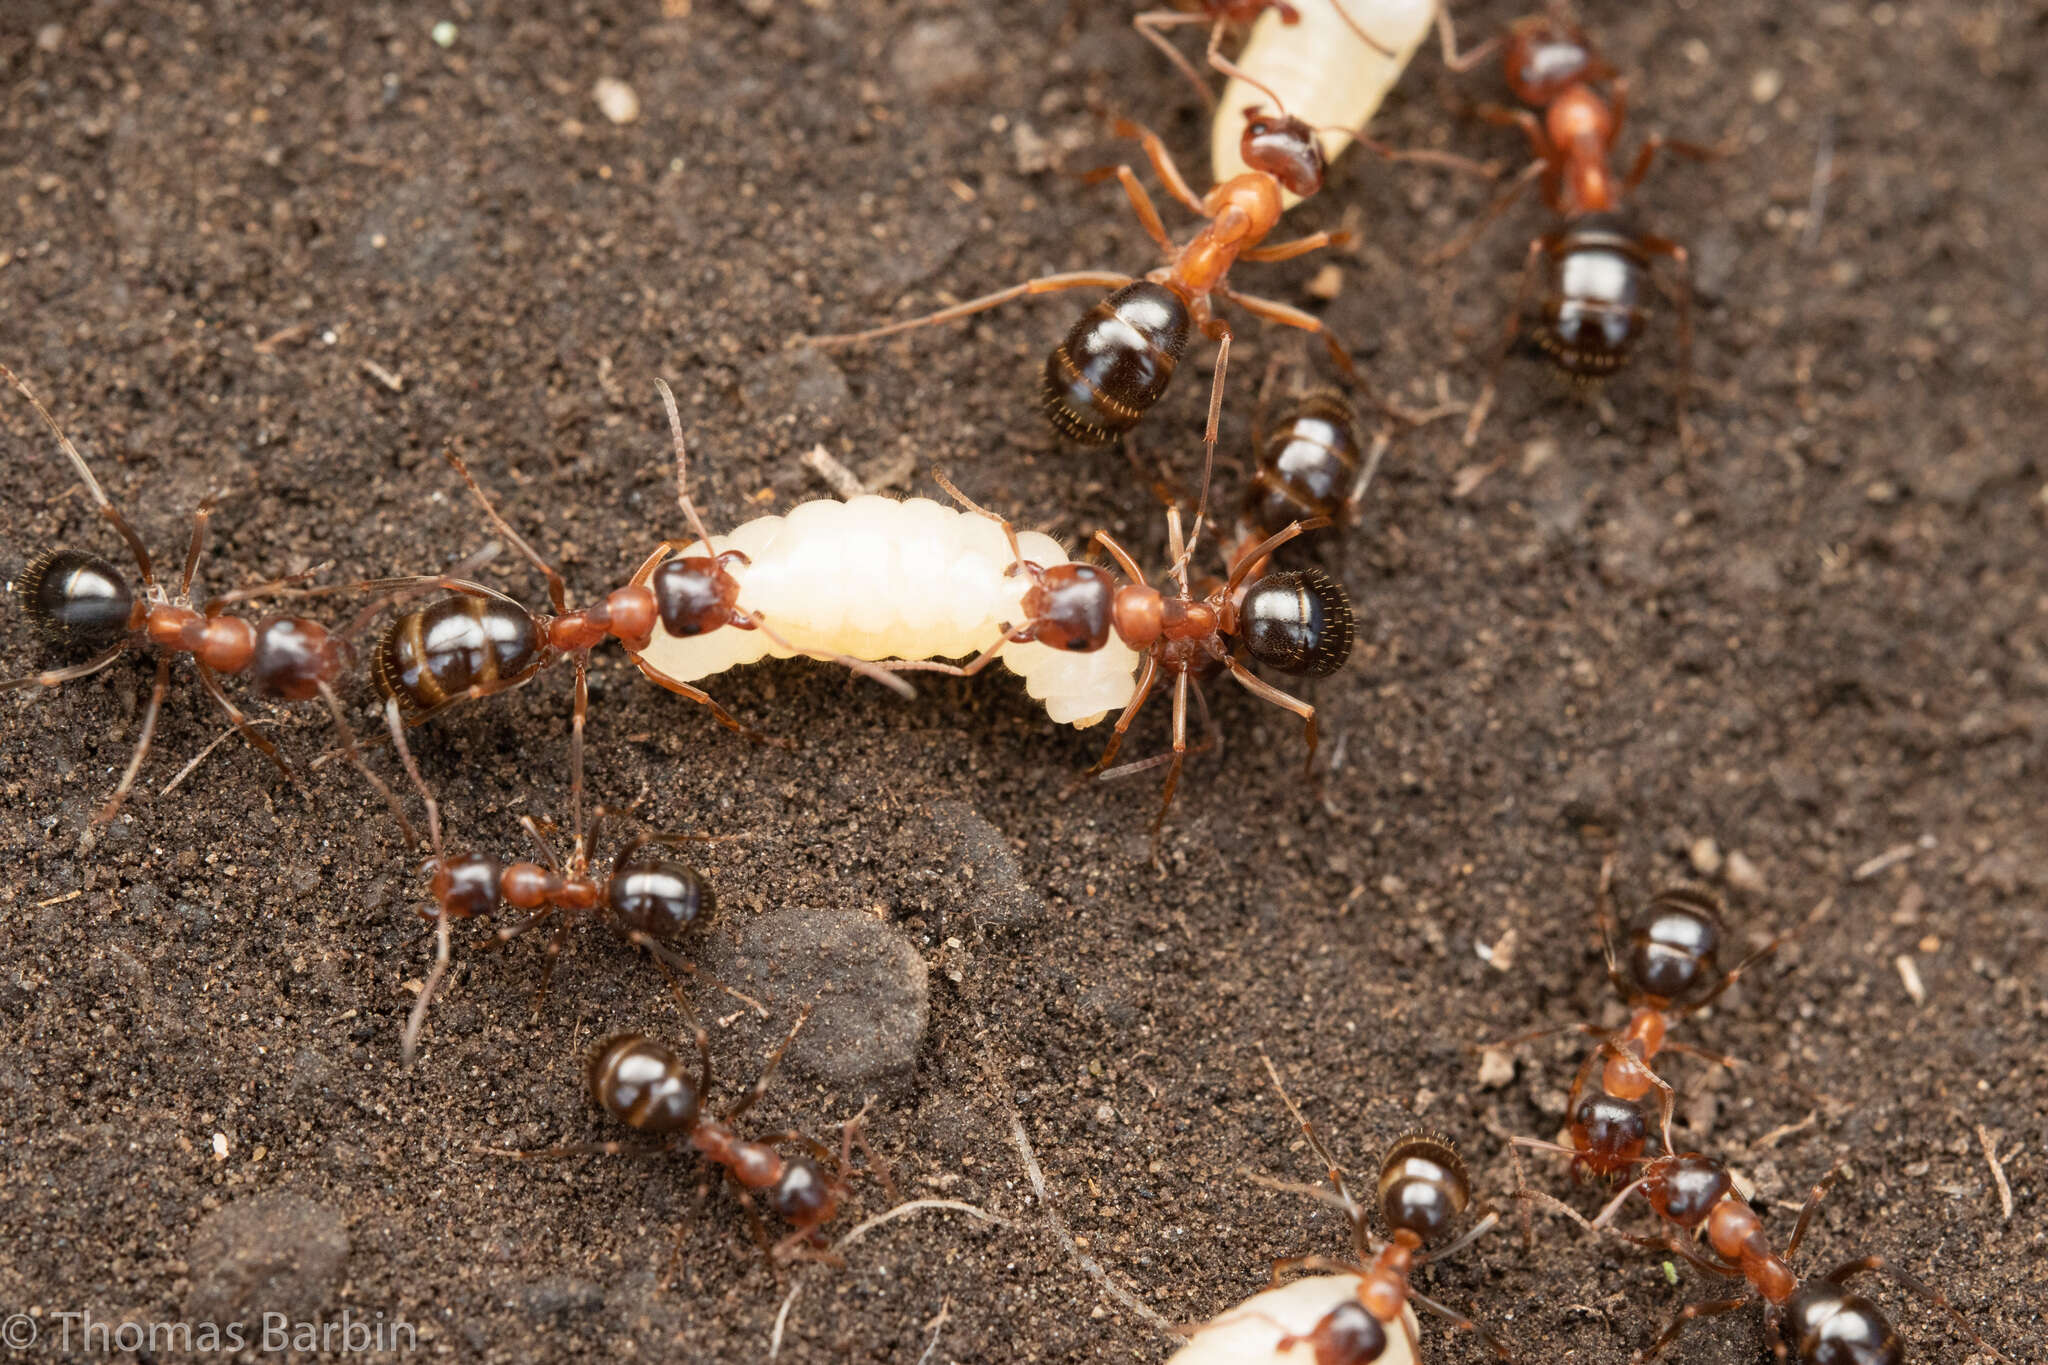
(78, 599)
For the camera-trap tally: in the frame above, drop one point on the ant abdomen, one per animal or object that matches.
(642, 1084)
(1116, 362)
(656, 894)
(803, 1197)
(1308, 465)
(1672, 941)
(1423, 1186)
(75, 598)
(1830, 1326)
(458, 646)
(1299, 622)
(1593, 306)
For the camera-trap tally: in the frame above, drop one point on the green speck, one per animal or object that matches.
(1671, 1272)
(444, 34)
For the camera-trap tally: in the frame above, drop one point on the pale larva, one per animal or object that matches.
(1279, 1325)
(1321, 70)
(879, 579)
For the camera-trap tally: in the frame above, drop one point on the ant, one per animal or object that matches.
(1423, 1190)
(1821, 1320)
(650, 898)
(1671, 945)
(1311, 463)
(78, 599)
(481, 642)
(1223, 16)
(1596, 261)
(1117, 360)
(645, 1085)
(1299, 622)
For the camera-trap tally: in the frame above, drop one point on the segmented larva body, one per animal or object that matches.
(1321, 70)
(875, 578)
(1278, 1326)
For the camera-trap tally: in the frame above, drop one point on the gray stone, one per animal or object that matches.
(873, 999)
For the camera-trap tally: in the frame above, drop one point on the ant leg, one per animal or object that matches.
(966, 670)
(1258, 687)
(1044, 284)
(1141, 202)
(57, 676)
(216, 605)
(1147, 676)
(558, 593)
(540, 841)
(127, 784)
(1375, 44)
(1712, 1308)
(1806, 1212)
(640, 939)
(760, 1086)
(240, 721)
(1484, 404)
(1681, 260)
(1841, 1274)
(1161, 159)
(1458, 1322)
(396, 724)
(866, 668)
(577, 720)
(1657, 142)
(568, 1149)
(1153, 23)
(1285, 1264)
(1301, 246)
(550, 955)
(1180, 750)
(1777, 942)
(1286, 315)
(703, 698)
(200, 516)
(85, 476)
(1447, 38)
(1430, 156)
(1603, 910)
(1502, 202)
(1121, 556)
(1502, 1045)
(1359, 1232)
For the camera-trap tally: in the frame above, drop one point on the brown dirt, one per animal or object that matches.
(1822, 640)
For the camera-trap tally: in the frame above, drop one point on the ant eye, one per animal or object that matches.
(1299, 622)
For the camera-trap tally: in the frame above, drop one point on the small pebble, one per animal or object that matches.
(443, 34)
(1706, 857)
(870, 983)
(1496, 1069)
(1765, 85)
(616, 100)
(1744, 875)
(938, 60)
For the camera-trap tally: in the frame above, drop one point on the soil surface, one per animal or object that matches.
(291, 253)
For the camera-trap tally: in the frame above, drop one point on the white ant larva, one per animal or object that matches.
(1282, 1325)
(1321, 69)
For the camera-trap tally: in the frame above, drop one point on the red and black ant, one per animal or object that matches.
(645, 1085)
(78, 599)
(1597, 262)
(1116, 362)
(1423, 1190)
(1224, 16)
(1820, 1321)
(1670, 946)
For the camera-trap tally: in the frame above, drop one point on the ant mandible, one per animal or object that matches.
(1596, 262)
(1821, 1321)
(1117, 360)
(1670, 946)
(76, 598)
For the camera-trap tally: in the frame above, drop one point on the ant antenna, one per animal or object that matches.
(675, 422)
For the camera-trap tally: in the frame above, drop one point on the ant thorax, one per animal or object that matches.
(875, 578)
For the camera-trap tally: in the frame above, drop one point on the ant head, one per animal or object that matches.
(655, 893)
(805, 1196)
(1423, 1186)
(1672, 942)
(1685, 1188)
(694, 595)
(1608, 1131)
(1070, 607)
(1283, 147)
(75, 598)
(1350, 1334)
(642, 1084)
(1299, 622)
(1545, 57)
(463, 884)
(294, 656)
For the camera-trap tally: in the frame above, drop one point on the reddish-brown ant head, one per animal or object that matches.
(1283, 147)
(74, 598)
(642, 1084)
(1348, 1335)
(694, 595)
(1423, 1186)
(1671, 942)
(1608, 1132)
(1545, 58)
(1071, 606)
(464, 885)
(655, 894)
(1828, 1325)
(1686, 1188)
(294, 656)
(804, 1196)
(1298, 622)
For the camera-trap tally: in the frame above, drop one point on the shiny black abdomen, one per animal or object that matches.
(659, 895)
(454, 648)
(1298, 622)
(1308, 466)
(1827, 1325)
(1596, 278)
(1115, 363)
(75, 598)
